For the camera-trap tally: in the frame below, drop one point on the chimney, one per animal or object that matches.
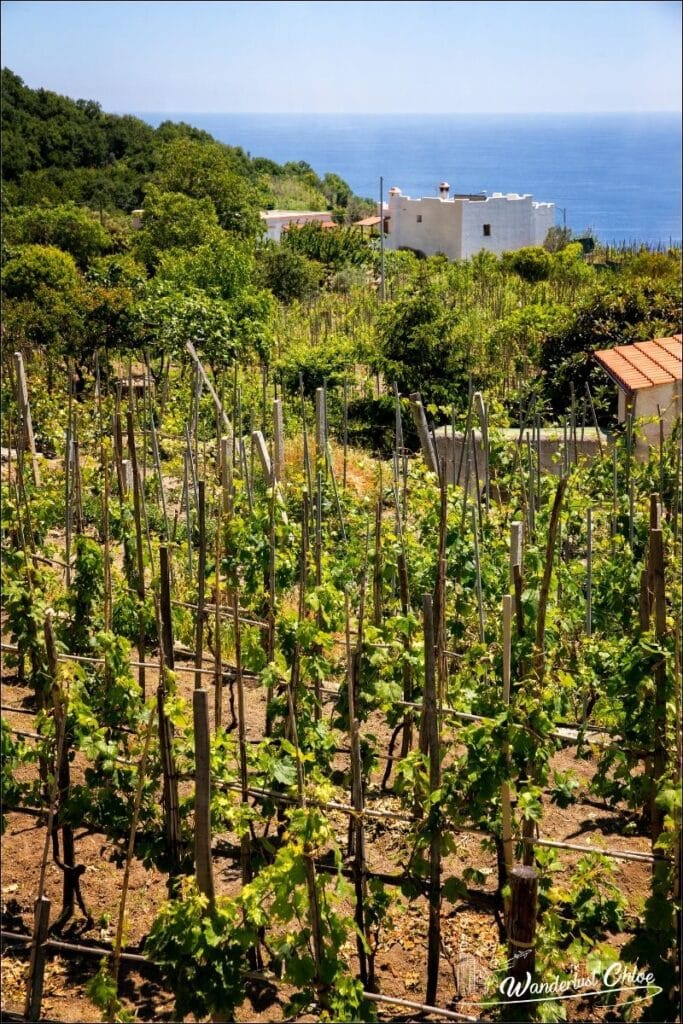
(443, 190)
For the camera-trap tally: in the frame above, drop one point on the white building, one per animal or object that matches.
(277, 221)
(460, 226)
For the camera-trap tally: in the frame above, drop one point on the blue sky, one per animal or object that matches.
(351, 57)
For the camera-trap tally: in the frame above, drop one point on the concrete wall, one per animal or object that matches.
(450, 448)
(668, 398)
(456, 226)
(429, 225)
(509, 219)
(543, 219)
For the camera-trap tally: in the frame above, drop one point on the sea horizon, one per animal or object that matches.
(615, 174)
(405, 113)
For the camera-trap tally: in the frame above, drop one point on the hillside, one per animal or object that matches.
(56, 148)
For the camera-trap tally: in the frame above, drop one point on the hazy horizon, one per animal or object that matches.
(352, 57)
(138, 112)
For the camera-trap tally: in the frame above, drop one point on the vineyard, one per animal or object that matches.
(293, 731)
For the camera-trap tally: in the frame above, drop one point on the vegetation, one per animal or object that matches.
(318, 587)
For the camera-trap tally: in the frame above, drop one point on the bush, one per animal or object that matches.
(531, 263)
(289, 275)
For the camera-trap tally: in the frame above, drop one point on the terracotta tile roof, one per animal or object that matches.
(366, 222)
(644, 364)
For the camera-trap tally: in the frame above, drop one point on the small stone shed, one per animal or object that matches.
(648, 376)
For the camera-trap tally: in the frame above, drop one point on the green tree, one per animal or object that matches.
(209, 171)
(416, 347)
(33, 268)
(557, 238)
(532, 263)
(335, 248)
(287, 274)
(172, 220)
(221, 268)
(615, 313)
(43, 300)
(66, 226)
(119, 270)
(336, 191)
(518, 339)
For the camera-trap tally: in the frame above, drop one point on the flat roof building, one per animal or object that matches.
(277, 221)
(461, 225)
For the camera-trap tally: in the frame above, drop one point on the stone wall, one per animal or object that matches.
(449, 447)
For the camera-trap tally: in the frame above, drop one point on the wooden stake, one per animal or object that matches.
(539, 653)
(191, 463)
(506, 807)
(116, 960)
(201, 585)
(71, 890)
(202, 795)
(217, 641)
(209, 386)
(522, 922)
(170, 779)
(138, 547)
(335, 492)
(659, 762)
(227, 487)
(67, 505)
(477, 569)
(317, 711)
(320, 425)
(160, 477)
(78, 486)
(165, 607)
(345, 433)
(440, 590)
(36, 969)
(28, 437)
(246, 475)
(539, 646)
(432, 731)
(468, 422)
(272, 611)
(407, 672)
(188, 514)
(307, 456)
(589, 571)
(245, 846)
(377, 567)
(516, 539)
(483, 420)
(259, 442)
(532, 488)
(420, 419)
(356, 828)
(278, 441)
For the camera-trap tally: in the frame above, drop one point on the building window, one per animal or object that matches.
(487, 230)
(419, 218)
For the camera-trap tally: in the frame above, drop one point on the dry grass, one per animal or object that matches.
(362, 470)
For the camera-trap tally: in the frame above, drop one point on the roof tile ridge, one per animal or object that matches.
(619, 372)
(638, 368)
(659, 349)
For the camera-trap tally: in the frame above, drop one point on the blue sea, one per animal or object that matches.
(618, 175)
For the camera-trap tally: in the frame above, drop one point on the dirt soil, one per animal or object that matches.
(471, 929)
